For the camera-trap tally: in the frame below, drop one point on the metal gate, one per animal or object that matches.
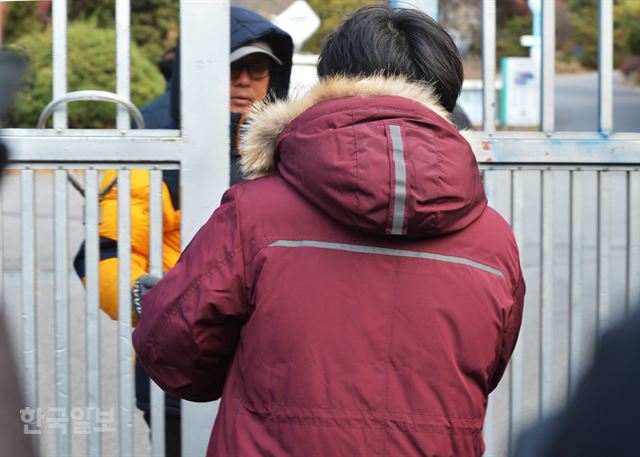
(42, 158)
(573, 201)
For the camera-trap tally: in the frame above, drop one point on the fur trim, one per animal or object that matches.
(259, 138)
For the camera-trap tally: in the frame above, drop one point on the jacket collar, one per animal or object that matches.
(267, 120)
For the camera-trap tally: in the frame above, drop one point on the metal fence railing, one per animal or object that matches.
(578, 227)
(573, 200)
(198, 150)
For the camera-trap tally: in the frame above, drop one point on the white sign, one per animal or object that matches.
(299, 21)
(303, 75)
(529, 41)
(520, 103)
(431, 7)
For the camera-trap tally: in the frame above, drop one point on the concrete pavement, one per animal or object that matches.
(577, 104)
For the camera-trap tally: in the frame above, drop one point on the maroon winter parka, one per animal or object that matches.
(359, 299)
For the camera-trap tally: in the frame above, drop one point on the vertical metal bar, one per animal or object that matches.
(124, 313)
(499, 194)
(633, 253)
(546, 308)
(2, 251)
(605, 66)
(123, 58)
(489, 181)
(204, 168)
(517, 362)
(61, 303)
(488, 430)
(576, 281)
(604, 250)
(548, 65)
(489, 65)
(92, 317)
(59, 37)
(509, 217)
(155, 268)
(29, 336)
(498, 188)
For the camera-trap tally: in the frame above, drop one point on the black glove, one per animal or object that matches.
(142, 285)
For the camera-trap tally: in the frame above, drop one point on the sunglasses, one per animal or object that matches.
(255, 70)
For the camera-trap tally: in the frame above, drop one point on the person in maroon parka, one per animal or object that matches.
(357, 297)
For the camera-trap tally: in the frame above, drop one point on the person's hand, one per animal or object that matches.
(142, 285)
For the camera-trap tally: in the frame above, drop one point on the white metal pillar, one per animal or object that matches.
(204, 171)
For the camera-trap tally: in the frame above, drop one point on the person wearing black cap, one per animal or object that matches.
(250, 74)
(261, 60)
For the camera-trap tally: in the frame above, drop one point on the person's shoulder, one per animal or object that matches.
(496, 221)
(493, 234)
(159, 101)
(490, 228)
(262, 190)
(138, 183)
(270, 198)
(157, 113)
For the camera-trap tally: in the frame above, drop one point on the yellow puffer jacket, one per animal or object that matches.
(108, 230)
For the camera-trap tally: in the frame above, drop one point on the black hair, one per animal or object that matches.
(379, 40)
(166, 63)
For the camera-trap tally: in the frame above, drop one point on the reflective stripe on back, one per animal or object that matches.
(400, 179)
(360, 249)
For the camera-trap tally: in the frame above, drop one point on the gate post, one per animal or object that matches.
(204, 170)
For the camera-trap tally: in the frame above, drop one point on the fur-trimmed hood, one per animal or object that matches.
(379, 154)
(267, 120)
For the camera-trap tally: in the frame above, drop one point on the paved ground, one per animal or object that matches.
(577, 104)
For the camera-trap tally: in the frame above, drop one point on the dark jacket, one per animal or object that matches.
(602, 418)
(157, 113)
(460, 118)
(13, 440)
(360, 299)
(15, 418)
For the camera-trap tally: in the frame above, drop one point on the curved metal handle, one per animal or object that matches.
(90, 95)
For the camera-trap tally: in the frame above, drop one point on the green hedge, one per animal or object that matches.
(91, 65)
(634, 41)
(508, 37)
(331, 13)
(154, 23)
(583, 16)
